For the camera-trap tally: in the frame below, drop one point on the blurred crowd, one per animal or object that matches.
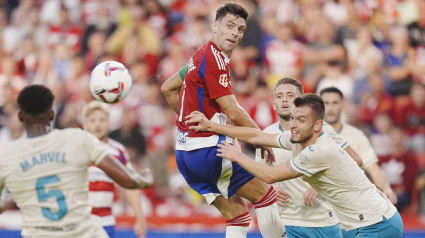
(372, 50)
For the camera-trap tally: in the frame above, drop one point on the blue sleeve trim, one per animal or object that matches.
(281, 143)
(305, 171)
(344, 144)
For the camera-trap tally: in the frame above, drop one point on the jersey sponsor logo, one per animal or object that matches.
(223, 80)
(190, 66)
(182, 136)
(220, 63)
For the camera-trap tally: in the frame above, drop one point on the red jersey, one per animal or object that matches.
(207, 78)
(101, 187)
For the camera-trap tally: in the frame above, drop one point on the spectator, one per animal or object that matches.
(400, 168)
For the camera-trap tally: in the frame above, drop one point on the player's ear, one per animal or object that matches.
(318, 126)
(52, 115)
(21, 116)
(214, 26)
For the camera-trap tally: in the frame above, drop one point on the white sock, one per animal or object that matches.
(238, 227)
(268, 218)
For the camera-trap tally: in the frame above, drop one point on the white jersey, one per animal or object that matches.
(336, 176)
(296, 213)
(101, 187)
(47, 178)
(360, 144)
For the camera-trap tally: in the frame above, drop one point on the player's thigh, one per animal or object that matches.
(389, 228)
(253, 190)
(231, 207)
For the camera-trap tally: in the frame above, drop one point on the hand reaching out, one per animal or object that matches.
(310, 197)
(282, 197)
(198, 117)
(228, 151)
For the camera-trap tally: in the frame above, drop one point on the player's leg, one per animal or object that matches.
(389, 228)
(203, 170)
(263, 196)
(236, 214)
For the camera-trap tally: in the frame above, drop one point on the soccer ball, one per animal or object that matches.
(110, 82)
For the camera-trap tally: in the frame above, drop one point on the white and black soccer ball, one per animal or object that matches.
(110, 82)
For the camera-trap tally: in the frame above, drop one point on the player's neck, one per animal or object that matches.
(337, 126)
(284, 124)
(310, 141)
(37, 129)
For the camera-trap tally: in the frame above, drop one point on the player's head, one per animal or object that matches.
(285, 92)
(229, 26)
(96, 119)
(333, 99)
(35, 105)
(306, 117)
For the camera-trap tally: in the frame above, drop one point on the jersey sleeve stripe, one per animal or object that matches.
(200, 94)
(343, 145)
(218, 59)
(300, 169)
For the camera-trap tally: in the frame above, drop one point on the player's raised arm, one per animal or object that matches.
(171, 88)
(124, 176)
(246, 134)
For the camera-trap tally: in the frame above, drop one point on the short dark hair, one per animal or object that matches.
(231, 8)
(35, 99)
(292, 81)
(332, 90)
(314, 102)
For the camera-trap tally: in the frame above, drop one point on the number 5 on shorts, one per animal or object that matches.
(43, 196)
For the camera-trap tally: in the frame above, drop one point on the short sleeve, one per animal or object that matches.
(310, 161)
(182, 72)
(217, 79)
(338, 139)
(284, 140)
(96, 150)
(366, 151)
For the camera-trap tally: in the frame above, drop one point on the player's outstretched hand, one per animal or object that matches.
(228, 151)
(198, 117)
(310, 197)
(146, 178)
(282, 197)
(267, 153)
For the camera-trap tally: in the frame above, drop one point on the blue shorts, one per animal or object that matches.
(110, 230)
(210, 175)
(319, 232)
(389, 228)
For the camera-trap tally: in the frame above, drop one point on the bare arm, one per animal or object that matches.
(133, 197)
(235, 112)
(381, 181)
(266, 173)
(354, 155)
(171, 90)
(124, 176)
(246, 134)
